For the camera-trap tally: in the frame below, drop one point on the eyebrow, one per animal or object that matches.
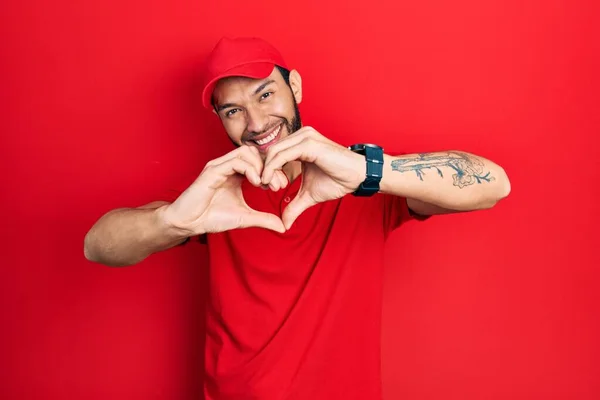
(257, 91)
(224, 106)
(264, 85)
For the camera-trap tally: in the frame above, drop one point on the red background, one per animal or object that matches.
(99, 110)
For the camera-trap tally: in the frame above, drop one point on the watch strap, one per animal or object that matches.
(374, 169)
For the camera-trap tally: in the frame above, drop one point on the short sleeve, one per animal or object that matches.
(396, 212)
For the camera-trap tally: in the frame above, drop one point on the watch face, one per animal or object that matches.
(361, 146)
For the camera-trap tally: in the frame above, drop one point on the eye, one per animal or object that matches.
(265, 95)
(231, 112)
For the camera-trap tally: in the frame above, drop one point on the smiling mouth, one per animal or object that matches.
(268, 139)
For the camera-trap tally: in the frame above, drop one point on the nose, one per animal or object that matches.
(257, 120)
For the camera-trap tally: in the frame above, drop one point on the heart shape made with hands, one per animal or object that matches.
(329, 171)
(279, 181)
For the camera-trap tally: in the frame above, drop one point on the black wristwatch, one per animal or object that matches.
(374, 159)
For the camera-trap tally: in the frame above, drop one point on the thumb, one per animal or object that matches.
(296, 207)
(262, 220)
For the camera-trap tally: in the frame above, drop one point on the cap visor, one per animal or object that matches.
(259, 70)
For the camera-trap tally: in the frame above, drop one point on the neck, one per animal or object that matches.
(292, 170)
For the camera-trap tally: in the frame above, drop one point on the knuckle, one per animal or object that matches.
(308, 142)
(240, 153)
(250, 153)
(246, 150)
(207, 169)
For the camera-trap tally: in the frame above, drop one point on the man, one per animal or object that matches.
(294, 307)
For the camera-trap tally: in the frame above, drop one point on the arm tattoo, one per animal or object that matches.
(468, 169)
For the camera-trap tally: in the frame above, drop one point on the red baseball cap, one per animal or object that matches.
(248, 57)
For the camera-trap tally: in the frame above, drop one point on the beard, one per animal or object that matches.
(292, 125)
(296, 122)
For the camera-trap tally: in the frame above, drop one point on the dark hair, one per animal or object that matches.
(285, 74)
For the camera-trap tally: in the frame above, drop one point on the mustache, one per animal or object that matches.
(252, 135)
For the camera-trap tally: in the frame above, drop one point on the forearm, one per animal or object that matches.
(127, 236)
(453, 180)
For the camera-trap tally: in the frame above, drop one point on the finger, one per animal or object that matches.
(262, 220)
(282, 178)
(292, 140)
(239, 166)
(296, 207)
(252, 155)
(247, 153)
(286, 143)
(303, 151)
(279, 181)
(275, 184)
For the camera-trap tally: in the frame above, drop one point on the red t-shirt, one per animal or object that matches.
(297, 316)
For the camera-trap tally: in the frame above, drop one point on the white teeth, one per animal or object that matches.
(270, 137)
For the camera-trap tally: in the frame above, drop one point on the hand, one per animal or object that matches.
(329, 170)
(214, 201)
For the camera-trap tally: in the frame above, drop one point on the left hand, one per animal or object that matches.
(329, 170)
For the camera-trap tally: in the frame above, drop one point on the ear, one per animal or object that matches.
(296, 85)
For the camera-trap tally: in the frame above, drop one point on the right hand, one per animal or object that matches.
(214, 201)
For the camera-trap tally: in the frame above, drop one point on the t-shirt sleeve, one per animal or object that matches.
(396, 212)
